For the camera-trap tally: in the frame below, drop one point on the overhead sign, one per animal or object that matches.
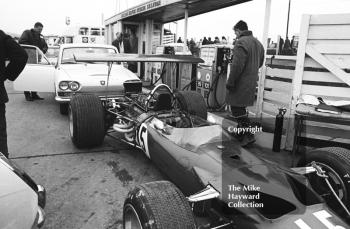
(142, 8)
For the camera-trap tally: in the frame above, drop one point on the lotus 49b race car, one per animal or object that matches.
(210, 174)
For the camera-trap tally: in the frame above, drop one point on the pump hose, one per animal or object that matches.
(214, 89)
(215, 84)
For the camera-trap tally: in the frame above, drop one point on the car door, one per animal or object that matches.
(38, 74)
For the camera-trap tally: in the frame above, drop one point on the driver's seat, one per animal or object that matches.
(163, 101)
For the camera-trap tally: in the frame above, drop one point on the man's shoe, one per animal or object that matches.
(247, 140)
(36, 97)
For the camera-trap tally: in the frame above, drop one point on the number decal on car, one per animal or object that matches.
(322, 216)
(143, 139)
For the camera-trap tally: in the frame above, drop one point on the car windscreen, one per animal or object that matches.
(68, 53)
(52, 52)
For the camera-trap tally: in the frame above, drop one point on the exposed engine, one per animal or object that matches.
(136, 107)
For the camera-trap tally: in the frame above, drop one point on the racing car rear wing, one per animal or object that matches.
(111, 57)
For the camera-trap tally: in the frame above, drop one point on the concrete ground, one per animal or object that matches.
(85, 188)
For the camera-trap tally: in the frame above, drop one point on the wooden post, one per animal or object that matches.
(258, 112)
(148, 48)
(297, 79)
(162, 34)
(108, 34)
(186, 24)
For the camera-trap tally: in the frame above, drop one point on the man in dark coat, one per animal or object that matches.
(33, 37)
(205, 41)
(248, 57)
(17, 58)
(118, 42)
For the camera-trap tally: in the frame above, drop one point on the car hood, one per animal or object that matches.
(16, 199)
(81, 72)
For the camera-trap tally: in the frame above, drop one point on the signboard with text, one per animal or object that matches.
(142, 8)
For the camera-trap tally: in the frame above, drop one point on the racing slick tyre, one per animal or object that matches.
(157, 205)
(86, 121)
(335, 161)
(64, 108)
(193, 103)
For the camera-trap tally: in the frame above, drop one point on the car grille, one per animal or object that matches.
(64, 94)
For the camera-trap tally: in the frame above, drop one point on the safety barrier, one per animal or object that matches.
(321, 68)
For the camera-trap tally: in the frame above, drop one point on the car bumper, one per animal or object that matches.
(60, 99)
(41, 202)
(41, 196)
(41, 217)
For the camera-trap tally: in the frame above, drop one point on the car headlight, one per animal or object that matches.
(74, 86)
(63, 85)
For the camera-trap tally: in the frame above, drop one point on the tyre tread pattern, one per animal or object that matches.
(88, 119)
(166, 206)
(337, 158)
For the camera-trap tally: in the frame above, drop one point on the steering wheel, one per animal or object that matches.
(151, 94)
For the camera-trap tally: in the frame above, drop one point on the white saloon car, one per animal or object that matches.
(21, 199)
(68, 77)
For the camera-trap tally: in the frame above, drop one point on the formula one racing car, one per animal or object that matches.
(210, 174)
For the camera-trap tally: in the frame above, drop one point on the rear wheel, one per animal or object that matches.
(193, 103)
(86, 121)
(64, 108)
(157, 205)
(335, 161)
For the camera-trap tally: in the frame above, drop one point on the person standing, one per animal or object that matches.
(223, 40)
(205, 41)
(216, 40)
(34, 37)
(247, 58)
(179, 40)
(118, 42)
(17, 57)
(134, 43)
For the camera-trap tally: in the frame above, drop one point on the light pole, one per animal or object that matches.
(288, 20)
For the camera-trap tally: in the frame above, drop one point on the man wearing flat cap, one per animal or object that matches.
(248, 57)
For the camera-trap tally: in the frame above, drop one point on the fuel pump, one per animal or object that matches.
(212, 74)
(177, 76)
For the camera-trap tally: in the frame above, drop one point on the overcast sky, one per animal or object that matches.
(18, 15)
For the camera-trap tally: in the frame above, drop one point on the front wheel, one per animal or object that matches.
(335, 161)
(86, 121)
(157, 205)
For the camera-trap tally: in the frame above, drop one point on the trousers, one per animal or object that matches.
(241, 116)
(3, 132)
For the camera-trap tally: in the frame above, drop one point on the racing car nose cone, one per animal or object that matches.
(220, 147)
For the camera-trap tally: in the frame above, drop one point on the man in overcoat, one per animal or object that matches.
(248, 57)
(33, 37)
(13, 58)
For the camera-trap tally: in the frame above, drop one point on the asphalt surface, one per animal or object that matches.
(85, 188)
